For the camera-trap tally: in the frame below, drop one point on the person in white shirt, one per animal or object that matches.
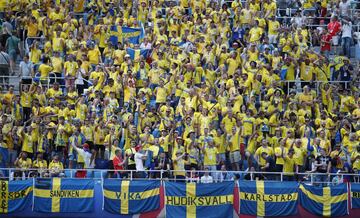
(146, 44)
(206, 178)
(346, 36)
(26, 67)
(139, 157)
(344, 8)
(89, 158)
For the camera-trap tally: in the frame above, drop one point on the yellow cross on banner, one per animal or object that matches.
(326, 199)
(55, 202)
(124, 198)
(260, 189)
(190, 192)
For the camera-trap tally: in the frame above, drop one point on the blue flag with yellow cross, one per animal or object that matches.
(199, 200)
(15, 196)
(267, 198)
(131, 197)
(136, 53)
(355, 195)
(64, 195)
(325, 201)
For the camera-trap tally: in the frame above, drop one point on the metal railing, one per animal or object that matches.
(190, 175)
(5, 81)
(298, 84)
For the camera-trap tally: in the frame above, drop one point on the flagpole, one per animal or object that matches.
(33, 197)
(102, 190)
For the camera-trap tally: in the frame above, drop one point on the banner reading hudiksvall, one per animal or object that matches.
(262, 198)
(64, 195)
(199, 200)
(131, 197)
(329, 201)
(15, 196)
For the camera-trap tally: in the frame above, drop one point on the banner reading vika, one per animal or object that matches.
(131, 197)
(262, 198)
(64, 195)
(15, 196)
(199, 200)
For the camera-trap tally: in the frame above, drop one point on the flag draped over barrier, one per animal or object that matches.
(256, 198)
(136, 53)
(131, 197)
(325, 201)
(64, 195)
(199, 200)
(261, 198)
(355, 195)
(15, 196)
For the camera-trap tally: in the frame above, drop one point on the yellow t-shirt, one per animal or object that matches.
(44, 70)
(210, 156)
(289, 164)
(93, 56)
(280, 159)
(268, 150)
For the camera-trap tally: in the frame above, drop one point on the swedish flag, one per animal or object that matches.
(132, 34)
(15, 196)
(64, 195)
(262, 198)
(115, 34)
(355, 195)
(136, 53)
(131, 197)
(325, 201)
(199, 200)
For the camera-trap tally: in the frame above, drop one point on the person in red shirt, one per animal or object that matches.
(325, 43)
(334, 26)
(119, 163)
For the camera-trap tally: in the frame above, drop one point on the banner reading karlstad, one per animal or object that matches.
(131, 197)
(199, 200)
(355, 195)
(325, 201)
(64, 195)
(15, 196)
(262, 198)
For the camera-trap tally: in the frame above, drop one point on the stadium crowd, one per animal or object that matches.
(229, 86)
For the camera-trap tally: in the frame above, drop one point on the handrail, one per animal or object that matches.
(214, 173)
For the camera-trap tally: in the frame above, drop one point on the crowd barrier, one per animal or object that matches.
(168, 175)
(66, 197)
(48, 81)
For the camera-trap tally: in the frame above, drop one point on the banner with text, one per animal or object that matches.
(261, 198)
(15, 196)
(199, 200)
(64, 195)
(131, 197)
(355, 195)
